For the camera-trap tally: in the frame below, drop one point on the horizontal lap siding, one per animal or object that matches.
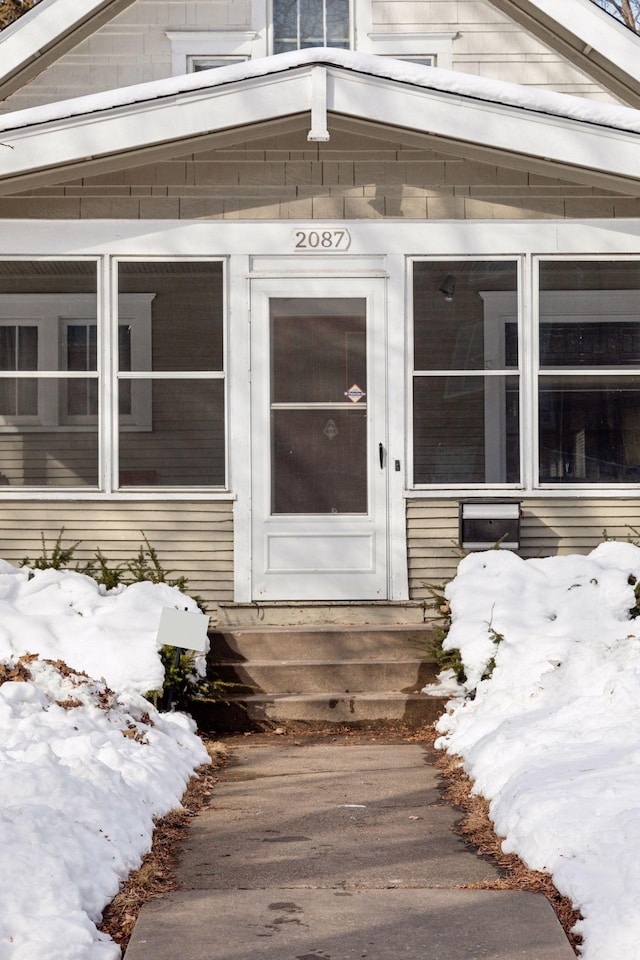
(576, 526)
(548, 527)
(349, 177)
(192, 539)
(134, 47)
(432, 538)
(55, 458)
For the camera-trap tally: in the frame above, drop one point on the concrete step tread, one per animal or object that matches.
(347, 612)
(351, 662)
(320, 644)
(243, 711)
(327, 697)
(326, 628)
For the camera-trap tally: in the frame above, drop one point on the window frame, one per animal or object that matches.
(352, 5)
(527, 309)
(411, 46)
(494, 444)
(232, 45)
(52, 314)
(584, 305)
(103, 306)
(142, 378)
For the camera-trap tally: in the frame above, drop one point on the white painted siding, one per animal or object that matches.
(133, 47)
(487, 43)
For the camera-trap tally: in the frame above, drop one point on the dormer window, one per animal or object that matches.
(298, 24)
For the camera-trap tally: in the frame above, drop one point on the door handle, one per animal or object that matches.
(381, 455)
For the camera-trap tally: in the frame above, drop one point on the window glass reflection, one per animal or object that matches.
(299, 24)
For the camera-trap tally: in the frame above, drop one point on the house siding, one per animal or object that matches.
(562, 525)
(133, 47)
(193, 539)
(350, 177)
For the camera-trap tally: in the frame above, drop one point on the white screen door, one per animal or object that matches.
(319, 528)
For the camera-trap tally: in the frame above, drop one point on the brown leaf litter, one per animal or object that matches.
(155, 876)
(476, 828)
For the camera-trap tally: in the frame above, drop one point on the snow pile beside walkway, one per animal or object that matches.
(84, 769)
(552, 737)
(61, 614)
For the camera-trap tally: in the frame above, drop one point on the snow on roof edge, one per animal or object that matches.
(453, 82)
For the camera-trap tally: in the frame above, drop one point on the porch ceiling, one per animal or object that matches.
(158, 120)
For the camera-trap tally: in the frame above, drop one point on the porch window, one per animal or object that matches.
(466, 382)
(298, 24)
(589, 381)
(48, 373)
(180, 383)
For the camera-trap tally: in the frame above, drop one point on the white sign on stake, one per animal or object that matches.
(183, 628)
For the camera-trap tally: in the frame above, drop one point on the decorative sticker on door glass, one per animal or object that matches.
(355, 393)
(330, 430)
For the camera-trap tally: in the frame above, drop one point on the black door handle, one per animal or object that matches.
(381, 455)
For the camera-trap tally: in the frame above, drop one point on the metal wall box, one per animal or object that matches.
(485, 522)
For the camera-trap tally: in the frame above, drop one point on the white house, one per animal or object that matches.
(293, 315)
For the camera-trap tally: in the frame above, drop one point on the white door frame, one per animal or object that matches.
(320, 556)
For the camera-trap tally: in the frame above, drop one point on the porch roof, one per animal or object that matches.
(566, 136)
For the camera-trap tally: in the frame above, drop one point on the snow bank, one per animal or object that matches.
(65, 615)
(85, 767)
(552, 738)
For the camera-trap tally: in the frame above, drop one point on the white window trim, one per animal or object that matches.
(47, 402)
(494, 381)
(408, 45)
(51, 313)
(187, 44)
(141, 379)
(500, 308)
(135, 309)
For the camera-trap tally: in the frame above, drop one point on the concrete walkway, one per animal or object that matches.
(328, 851)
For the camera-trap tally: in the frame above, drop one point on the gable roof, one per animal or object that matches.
(526, 128)
(577, 29)
(44, 33)
(588, 37)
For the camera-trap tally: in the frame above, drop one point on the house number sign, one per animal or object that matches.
(314, 238)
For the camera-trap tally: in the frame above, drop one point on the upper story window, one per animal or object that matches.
(298, 24)
(195, 50)
(196, 64)
(429, 49)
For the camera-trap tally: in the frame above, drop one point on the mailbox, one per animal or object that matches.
(485, 522)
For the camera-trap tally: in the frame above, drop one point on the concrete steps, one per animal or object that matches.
(321, 674)
(327, 612)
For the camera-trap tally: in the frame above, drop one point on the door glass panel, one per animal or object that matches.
(318, 405)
